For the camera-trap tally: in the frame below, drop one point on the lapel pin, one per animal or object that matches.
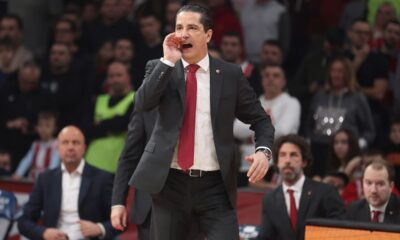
(309, 193)
(391, 213)
(218, 71)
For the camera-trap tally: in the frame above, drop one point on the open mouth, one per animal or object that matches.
(187, 45)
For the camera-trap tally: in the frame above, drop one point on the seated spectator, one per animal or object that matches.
(72, 201)
(343, 148)
(283, 110)
(108, 119)
(125, 53)
(371, 69)
(43, 153)
(389, 46)
(392, 149)
(385, 12)
(271, 54)
(340, 105)
(5, 163)
(311, 74)
(20, 103)
(151, 46)
(380, 205)
(354, 169)
(6, 55)
(109, 26)
(11, 26)
(318, 200)
(232, 51)
(65, 83)
(337, 179)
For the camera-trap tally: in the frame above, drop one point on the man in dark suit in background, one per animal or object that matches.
(139, 131)
(188, 163)
(380, 205)
(73, 201)
(298, 198)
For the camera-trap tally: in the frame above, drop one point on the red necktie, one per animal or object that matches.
(375, 216)
(293, 209)
(186, 137)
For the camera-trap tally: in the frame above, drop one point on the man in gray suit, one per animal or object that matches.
(188, 163)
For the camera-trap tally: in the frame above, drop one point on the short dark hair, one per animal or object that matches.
(15, 17)
(297, 140)
(233, 34)
(47, 115)
(205, 16)
(379, 165)
(72, 25)
(274, 43)
(340, 175)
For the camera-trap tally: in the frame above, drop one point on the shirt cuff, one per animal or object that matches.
(118, 206)
(167, 62)
(263, 148)
(103, 230)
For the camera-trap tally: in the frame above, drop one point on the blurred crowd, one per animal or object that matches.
(326, 70)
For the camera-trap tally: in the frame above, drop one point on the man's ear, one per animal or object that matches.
(209, 34)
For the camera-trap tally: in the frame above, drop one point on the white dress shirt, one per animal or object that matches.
(297, 189)
(381, 209)
(68, 221)
(205, 155)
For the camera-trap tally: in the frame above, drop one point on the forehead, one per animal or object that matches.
(231, 39)
(289, 147)
(188, 18)
(361, 25)
(70, 135)
(273, 69)
(376, 174)
(9, 21)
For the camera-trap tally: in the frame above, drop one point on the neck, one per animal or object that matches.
(270, 96)
(46, 138)
(59, 70)
(71, 167)
(291, 182)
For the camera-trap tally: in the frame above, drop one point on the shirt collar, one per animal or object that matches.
(203, 63)
(78, 170)
(297, 187)
(381, 209)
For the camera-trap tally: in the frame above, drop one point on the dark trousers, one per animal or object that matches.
(144, 229)
(185, 200)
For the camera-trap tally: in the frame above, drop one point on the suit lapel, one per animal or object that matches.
(305, 199)
(391, 210)
(180, 81)
(56, 186)
(216, 81)
(283, 212)
(85, 184)
(365, 214)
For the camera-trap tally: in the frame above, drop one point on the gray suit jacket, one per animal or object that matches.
(139, 131)
(231, 96)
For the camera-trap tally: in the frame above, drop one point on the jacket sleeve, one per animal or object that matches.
(155, 82)
(130, 156)
(250, 111)
(32, 211)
